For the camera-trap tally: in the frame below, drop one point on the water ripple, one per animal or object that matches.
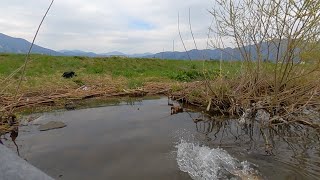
(204, 163)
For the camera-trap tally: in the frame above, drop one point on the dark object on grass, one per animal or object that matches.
(69, 74)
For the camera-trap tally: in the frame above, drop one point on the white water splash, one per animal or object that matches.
(203, 163)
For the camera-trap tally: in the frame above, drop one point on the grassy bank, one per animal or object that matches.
(233, 91)
(45, 71)
(113, 76)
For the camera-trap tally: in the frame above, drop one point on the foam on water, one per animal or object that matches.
(204, 163)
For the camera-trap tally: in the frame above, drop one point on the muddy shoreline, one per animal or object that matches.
(60, 97)
(80, 98)
(184, 93)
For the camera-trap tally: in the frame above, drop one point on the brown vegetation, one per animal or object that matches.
(53, 97)
(283, 32)
(176, 109)
(287, 90)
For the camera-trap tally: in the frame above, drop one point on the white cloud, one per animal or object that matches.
(104, 25)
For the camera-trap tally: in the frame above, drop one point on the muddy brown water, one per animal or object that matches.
(138, 141)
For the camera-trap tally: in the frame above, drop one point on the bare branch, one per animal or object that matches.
(184, 46)
(28, 54)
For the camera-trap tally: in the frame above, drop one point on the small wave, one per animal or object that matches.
(204, 163)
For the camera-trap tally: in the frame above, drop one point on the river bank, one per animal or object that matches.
(230, 91)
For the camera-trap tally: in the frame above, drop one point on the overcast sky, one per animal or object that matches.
(129, 26)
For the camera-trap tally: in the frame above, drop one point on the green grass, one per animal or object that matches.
(42, 65)
(45, 71)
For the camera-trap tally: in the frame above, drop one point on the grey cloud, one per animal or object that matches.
(104, 25)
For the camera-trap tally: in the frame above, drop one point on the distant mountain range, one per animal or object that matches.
(17, 45)
(208, 54)
(92, 54)
(10, 44)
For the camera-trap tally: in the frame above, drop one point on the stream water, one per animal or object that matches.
(141, 140)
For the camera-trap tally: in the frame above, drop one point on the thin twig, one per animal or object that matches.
(194, 41)
(182, 38)
(28, 54)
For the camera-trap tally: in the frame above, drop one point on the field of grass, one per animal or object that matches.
(45, 71)
(237, 87)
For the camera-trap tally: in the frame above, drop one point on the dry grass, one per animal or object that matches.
(234, 96)
(52, 95)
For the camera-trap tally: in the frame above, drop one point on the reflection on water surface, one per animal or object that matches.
(141, 140)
